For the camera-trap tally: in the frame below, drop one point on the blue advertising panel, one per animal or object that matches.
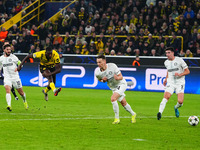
(83, 76)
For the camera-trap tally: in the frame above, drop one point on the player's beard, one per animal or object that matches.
(7, 54)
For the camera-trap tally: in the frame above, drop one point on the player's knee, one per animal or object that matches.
(113, 99)
(123, 102)
(180, 101)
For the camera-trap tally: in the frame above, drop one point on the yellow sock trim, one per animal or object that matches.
(46, 90)
(52, 86)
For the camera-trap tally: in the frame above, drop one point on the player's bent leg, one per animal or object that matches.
(57, 91)
(128, 108)
(13, 92)
(45, 95)
(23, 96)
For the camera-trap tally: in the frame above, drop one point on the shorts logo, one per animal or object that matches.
(155, 78)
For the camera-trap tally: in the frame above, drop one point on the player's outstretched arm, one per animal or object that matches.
(118, 77)
(165, 81)
(186, 72)
(23, 61)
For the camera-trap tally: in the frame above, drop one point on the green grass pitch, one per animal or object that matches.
(81, 119)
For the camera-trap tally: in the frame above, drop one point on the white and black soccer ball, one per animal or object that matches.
(193, 120)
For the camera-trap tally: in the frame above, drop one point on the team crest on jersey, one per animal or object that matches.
(110, 73)
(175, 64)
(9, 60)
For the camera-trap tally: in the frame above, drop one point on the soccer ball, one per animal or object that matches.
(193, 120)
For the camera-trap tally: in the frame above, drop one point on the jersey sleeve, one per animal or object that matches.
(15, 60)
(97, 75)
(1, 64)
(116, 69)
(183, 64)
(37, 55)
(56, 58)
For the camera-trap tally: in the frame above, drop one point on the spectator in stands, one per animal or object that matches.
(137, 52)
(21, 46)
(85, 51)
(80, 38)
(32, 49)
(153, 53)
(197, 54)
(128, 52)
(18, 8)
(38, 44)
(73, 20)
(188, 53)
(28, 39)
(60, 52)
(42, 32)
(70, 47)
(9, 37)
(91, 7)
(112, 52)
(88, 28)
(2, 7)
(66, 38)
(3, 34)
(189, 12)
(161, 49)
(99, 45)
(104, 21)
(57, 38)
(145, 52)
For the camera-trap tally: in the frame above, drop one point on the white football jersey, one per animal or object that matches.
(176, 66)
(9, 64)
(109, 74)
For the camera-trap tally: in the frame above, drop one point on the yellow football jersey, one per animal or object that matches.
(55, 59)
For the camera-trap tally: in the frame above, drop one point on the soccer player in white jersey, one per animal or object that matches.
(9, 63)
(174, 81)
(111, 74)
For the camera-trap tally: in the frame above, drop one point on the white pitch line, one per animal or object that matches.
(71, 115)
(84, 118)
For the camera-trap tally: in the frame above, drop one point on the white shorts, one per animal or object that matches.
(120, 90)
(15, 82)
(178, 88)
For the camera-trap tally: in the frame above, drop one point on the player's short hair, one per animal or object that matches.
(49, 49)
(169, 48)
(7, 45)
(101, 57)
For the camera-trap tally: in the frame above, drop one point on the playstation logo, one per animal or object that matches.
(39, 80)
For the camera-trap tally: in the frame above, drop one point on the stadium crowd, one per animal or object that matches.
(111, 27)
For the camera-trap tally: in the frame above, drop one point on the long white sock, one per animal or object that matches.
(24, 97)
(178, 105)
(129, 109)
(116, 109)
(8, 99)
(162, 105)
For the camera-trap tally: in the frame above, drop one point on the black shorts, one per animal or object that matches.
(43, 68)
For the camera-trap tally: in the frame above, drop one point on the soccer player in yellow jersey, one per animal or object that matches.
(49, 67)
